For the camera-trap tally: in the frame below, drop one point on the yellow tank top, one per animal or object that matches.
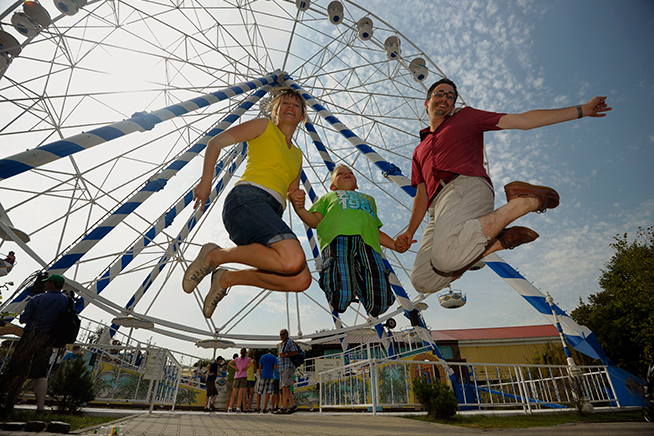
(270, 162)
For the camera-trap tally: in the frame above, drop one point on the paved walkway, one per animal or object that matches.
(333, 424)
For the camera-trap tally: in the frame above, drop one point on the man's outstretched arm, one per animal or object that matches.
(545, 117)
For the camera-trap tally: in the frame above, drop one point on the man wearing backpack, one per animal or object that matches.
(287, 349)
(32, 354)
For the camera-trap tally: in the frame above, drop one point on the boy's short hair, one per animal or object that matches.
(341, 165)
(273, 106)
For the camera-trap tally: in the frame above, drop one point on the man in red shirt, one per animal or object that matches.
(452, 184)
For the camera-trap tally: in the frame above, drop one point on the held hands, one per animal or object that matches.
(404, 242)
(596, 108)
(297, 197)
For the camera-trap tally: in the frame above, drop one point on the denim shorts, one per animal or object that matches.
(251, 215)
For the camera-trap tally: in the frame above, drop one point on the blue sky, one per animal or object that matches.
(513, 56)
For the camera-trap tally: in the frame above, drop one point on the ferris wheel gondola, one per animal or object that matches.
(5, 265)
(452, 299)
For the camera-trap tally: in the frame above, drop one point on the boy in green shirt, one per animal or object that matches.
(347, 226)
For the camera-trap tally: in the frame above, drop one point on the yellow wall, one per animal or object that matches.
(500, 353)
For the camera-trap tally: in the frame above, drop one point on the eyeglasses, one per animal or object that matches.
(283, 334)
(441, 94)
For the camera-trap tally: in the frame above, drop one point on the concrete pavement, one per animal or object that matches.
(167, 423)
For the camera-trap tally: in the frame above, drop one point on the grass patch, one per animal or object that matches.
(76, 421)
(495, 422)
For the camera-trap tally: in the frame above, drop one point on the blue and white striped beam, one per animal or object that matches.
(36, 157)
(389, 170)
(169, 216)
(581, 338)
(162, 222)
(322, 150)
(311, 236)
(173, 247)
(156, 183)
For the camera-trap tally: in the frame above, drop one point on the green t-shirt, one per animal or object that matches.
(347, 213)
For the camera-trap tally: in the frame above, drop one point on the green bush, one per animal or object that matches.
(71, 386)
(436, 398)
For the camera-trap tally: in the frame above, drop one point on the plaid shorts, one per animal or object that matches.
(353, 268)
(266, 386)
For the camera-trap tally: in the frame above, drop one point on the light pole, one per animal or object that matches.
(575, 372)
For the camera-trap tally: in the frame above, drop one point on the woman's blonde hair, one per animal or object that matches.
(279, 97)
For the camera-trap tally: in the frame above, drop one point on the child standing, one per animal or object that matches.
(347, 226)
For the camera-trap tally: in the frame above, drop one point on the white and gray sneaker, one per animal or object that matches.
(198, 269)
(216, 293)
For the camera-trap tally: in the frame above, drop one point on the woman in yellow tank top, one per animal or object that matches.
(253, 209)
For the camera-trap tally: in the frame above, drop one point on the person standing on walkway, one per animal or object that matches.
(212, 373)
(267, 367)
(239, 393)
(287, 349)
(252, 379)
(32, 355)
(229, 382)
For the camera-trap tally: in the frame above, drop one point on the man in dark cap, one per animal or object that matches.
(32, 354)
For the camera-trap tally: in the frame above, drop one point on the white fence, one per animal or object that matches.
(126, 374)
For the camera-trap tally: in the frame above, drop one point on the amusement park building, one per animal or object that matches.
(483, 345)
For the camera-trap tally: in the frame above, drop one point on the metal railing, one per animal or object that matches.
(126, 374)
(387, 383)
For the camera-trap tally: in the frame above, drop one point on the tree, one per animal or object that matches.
(622, 314)
(553, 354)
(72, 385)
(436, 398)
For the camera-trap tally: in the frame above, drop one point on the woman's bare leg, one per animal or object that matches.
(284, 257)
(267, 280)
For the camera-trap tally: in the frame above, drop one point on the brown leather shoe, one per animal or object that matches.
(511, 237)
(547, 197)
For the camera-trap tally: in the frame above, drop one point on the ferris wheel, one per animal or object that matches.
(105, 110)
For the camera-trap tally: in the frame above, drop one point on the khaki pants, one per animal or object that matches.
(453, 238)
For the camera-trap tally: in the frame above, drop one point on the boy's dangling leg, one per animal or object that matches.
(372, 280)
(337, 278)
